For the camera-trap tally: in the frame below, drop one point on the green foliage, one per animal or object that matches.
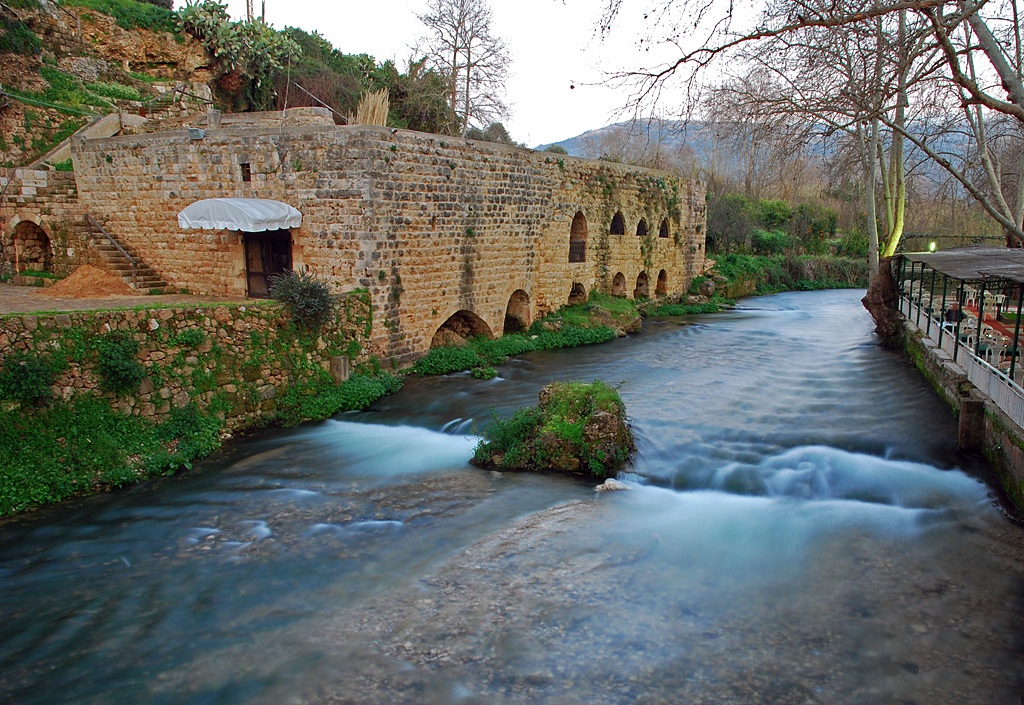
(28, 377)
(773, 214)
(117, 362)
(252, 50)
(116, 91)
(66, 165)
(730, 218)
(306, 297)
(130, 14)
(85, 445)
(770, 242)
(713, 306)
(189, 338)
(793, 273)
(556, 149)
(17, 38)
(320, 398)
(812, 225)
(548, 434)
(853, 244)
(484, 373)
(441, 361)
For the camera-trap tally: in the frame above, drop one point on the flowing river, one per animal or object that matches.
(801, 529)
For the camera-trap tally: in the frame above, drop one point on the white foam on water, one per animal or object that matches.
(823, 473)
(257, 529)
(369, 449)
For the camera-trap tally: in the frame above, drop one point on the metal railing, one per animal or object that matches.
(135, 265)
(1004, 392)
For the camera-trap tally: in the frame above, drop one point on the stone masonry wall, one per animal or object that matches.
(49, 199)
(243, 356)
(429, 225)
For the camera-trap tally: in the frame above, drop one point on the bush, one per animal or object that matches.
(118, 365)
(556, 149)
(770, 242)
(307, 297)
(114, 90)
(17, 38)
(554, 433)
(66, 165)
(773, 214)
(27, 378)
(321, 399)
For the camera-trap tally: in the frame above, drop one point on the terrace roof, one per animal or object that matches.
(974, 263)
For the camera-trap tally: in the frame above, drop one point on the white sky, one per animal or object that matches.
(552, 44)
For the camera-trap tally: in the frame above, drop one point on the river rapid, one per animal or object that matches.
(800, 528)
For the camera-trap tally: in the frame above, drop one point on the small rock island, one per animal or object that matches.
(578, 427)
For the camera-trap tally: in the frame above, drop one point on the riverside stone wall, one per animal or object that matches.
(243, 357)
(431, 226)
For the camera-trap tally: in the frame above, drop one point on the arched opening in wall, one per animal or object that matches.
(578, 238)
(641, 228)
(661, 288)
(663, 230)
(267, 254)
(517, 314)
(618, 226)
(29, 248)
(641, 291)
(460, 327)
(619, 284)
(578, 294)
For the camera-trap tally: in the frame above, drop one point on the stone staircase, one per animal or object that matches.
(118, 258)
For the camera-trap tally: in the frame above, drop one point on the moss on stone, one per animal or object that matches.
(577, 427)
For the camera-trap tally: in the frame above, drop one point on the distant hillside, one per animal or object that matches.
(671, 134)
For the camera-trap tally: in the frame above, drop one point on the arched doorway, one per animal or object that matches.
(619, 284)
(578, 238)
(517, 313)
(30, 248)
(641, 290)
(459, 327)
(641, 228)
(661, 288)
(618, 226)
(578, 294)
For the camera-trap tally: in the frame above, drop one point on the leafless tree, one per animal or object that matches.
(965, 56)
(474, 61)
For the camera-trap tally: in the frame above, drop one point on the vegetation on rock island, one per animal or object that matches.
(578, 427)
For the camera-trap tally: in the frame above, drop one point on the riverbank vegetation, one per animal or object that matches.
(576, 427)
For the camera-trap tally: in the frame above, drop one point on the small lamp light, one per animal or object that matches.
(931, 246)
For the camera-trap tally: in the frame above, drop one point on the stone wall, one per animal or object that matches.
(430, 225)
(998, 438)
(242, 356)
(40, 202)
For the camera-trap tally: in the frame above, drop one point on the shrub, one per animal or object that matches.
(27, 378)
(770, 242)
(321, 399)
(17, 38)
(66, 165)
(556, 149)
(130, 14)
(118, 365)
(307, 297)
(773, 214)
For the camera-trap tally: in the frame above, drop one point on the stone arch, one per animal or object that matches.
(642, 286)
(619, 284)
(663, 230)
(459, 327)
(517, 313)
(641, 228)
(661, 288)
(29, 247)
(577, 295)
(578, 238)
(618, 226)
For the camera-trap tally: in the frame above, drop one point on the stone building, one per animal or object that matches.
(442, 232)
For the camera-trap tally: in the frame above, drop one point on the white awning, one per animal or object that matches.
(251, 215)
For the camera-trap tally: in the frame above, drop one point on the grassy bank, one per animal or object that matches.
(778, 273)
(596, 321)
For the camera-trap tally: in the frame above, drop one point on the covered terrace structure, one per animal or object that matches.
(968, 303)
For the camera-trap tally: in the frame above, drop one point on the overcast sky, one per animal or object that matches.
(552, 44)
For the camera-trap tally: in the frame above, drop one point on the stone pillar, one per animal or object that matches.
(971, 432)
